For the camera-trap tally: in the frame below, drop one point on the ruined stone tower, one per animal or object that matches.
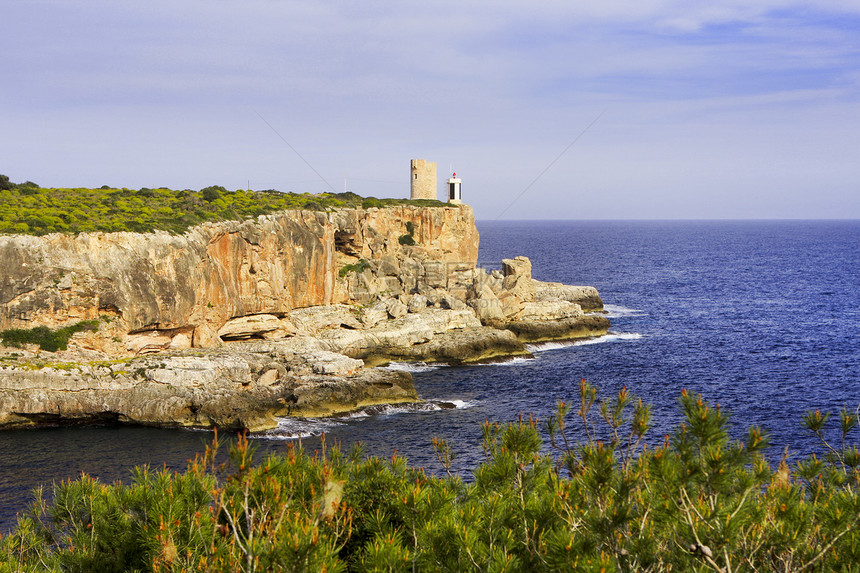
(422, 179)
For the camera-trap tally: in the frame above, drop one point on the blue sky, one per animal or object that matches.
(706, 109)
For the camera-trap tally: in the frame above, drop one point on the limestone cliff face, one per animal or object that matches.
(273, 291)
(187, 287)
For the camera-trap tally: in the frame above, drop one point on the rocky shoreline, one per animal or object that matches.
(324, 362)
(197, 363)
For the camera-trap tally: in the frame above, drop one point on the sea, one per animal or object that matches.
(760, 317)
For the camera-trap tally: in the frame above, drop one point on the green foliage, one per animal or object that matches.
(698, 502)
(408, 238)
(358, 268)
(28, 209)
(212, 193)
(47, 339)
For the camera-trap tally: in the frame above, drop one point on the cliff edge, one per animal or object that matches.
(234, 323)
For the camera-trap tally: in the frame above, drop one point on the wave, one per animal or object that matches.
(424, 367)
(611, 337)
(460, 404)
(507, 362)
(618, 311)
(297, 428)
(412, 366)
(427, 406)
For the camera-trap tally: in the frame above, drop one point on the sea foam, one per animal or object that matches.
(618, 311)
(611, 337)
(297, 428)
(412, 366)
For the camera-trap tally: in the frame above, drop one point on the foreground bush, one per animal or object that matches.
(698, 502)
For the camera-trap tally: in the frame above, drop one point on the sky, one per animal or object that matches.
(628, 109)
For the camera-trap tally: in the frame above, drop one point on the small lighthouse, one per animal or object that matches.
(454, 196)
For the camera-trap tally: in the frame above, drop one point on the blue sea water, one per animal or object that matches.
(762, 317)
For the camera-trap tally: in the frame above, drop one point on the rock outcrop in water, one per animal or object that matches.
(235, 323)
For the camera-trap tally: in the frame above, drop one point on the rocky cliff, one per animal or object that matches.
(235, 323)
(194, 283)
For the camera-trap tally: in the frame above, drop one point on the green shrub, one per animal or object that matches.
(359, 267)
(698, 501)
(47, 339)
(27, 208)
(408, 239)
(212, 193)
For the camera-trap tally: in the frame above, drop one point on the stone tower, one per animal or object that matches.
(422, 178)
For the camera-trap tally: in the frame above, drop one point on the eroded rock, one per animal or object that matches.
(238, 388)
(282, 312)
(256, 326)
(586, 297)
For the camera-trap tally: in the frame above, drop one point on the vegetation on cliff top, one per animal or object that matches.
(696, 502)
(29, 209)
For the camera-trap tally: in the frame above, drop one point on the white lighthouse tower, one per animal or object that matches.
(454, 196)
